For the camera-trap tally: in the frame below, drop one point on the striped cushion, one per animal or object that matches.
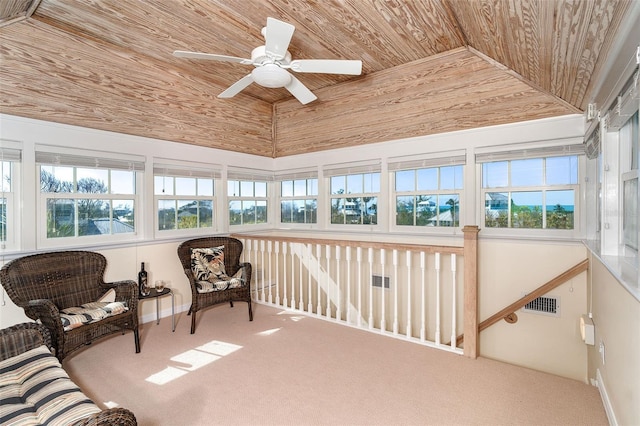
(90, 312)
(35, 390)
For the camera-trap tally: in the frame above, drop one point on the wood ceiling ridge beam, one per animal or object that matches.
(529, 83)
(456, 22)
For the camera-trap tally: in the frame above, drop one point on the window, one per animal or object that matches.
(184, 198)
(630, 145)
(9, 213)
(531, 193)
(299, 200)
(428, 196)
(354, 198)
(86, 196)
(247, 202)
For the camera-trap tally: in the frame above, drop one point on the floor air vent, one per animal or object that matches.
(546, 305)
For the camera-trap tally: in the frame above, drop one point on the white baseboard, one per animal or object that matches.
(611, 416)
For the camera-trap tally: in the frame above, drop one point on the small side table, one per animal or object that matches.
(155, 294)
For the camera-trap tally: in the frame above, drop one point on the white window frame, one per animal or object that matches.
(178, 170)
(563, 148)
(12, 157)
(293, 176)
(351, 169)
(64, 157)
(628, 174)
(245, 176)
(428, 161)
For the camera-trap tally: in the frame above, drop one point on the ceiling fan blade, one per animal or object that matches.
(210, 56)
(237, 87)
(277, 36)
(327, 66)
(300, 91)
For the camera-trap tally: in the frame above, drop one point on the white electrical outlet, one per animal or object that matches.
(601, 350)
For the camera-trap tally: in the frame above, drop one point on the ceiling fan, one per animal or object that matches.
(272, 62)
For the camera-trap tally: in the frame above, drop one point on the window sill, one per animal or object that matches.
(623, 268)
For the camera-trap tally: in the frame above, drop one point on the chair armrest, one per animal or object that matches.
(45, 311)
(246, 272)
(126, 291)
(23, 337)
(109, 417)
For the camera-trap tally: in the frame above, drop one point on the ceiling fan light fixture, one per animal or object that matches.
(271, 75)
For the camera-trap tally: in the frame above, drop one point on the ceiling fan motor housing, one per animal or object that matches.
(268, 72)
(271, 75)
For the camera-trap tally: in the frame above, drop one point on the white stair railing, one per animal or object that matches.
(325, 279)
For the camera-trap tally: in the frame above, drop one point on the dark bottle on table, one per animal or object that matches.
(142, 281)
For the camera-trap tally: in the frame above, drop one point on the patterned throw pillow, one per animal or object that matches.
(208, 263)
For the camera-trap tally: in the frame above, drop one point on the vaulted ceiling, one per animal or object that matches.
(429, 66)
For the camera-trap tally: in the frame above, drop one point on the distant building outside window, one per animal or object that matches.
(429, 196)
(354, 198)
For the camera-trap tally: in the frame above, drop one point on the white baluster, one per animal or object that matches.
(409, 298)
(301, 283)
(383, 321)
(318, 280)
(309, 293)
(285, 246)
(277, 250)
(360, 284)
(328, 257)
(437, 266)
(395, 291)
(370, 258)
(338, 288)
(348, 305)
(256, 270)
(262, 265)
(270, 253)
(293, 275)
(453, 303)
(423, 311)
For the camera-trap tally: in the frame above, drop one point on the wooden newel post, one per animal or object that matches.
(470, 327)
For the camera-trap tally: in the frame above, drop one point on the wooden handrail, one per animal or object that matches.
(555, 282)
(377, 245)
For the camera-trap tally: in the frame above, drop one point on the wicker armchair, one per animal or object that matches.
(44, 284)
(20, 338)
(232, 252)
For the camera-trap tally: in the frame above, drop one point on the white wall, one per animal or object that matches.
(616, 317)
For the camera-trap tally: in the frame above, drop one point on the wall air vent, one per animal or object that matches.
(545, 305)
(376, 281)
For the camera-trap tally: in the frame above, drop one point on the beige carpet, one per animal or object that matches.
(285, 369)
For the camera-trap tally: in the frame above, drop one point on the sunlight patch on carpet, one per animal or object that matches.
(269, 332)
(111, 404)
(293, 316)
(192, 360)
(165, 376)
(219, 348)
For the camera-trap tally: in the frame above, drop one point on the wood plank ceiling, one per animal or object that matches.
(429, 66)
